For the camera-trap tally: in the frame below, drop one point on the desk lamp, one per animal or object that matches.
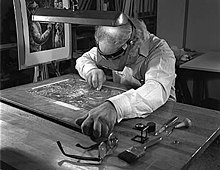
(87, 17)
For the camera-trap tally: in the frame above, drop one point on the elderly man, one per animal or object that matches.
(139, 60)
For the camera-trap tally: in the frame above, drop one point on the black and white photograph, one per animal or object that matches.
(110, 85)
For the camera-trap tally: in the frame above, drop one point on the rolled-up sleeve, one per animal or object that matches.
(87, 62)
(159, 78)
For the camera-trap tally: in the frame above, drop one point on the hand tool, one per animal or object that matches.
(166, 125)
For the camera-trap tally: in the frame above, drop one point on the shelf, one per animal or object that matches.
(7, 46)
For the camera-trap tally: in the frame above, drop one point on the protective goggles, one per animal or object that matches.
(104, 148)
(121, 51)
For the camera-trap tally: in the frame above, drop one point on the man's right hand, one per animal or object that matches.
(96, 77)
(99, 122)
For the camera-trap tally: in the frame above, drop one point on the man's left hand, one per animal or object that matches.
(99, 122)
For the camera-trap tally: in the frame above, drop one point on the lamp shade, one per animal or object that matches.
(86, 17)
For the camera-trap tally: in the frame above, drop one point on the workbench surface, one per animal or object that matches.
(28, 138)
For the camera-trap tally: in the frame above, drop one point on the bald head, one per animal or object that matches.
(110, 39)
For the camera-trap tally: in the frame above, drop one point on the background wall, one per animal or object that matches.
(170, 19)
(203, 30)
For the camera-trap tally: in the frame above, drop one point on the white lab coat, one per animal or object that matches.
(152, 77)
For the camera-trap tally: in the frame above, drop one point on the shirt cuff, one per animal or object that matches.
(122, 105)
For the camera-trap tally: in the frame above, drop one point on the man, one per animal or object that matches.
(37, 36)
(139, 60)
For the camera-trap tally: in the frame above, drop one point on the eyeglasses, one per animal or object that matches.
(104, 148)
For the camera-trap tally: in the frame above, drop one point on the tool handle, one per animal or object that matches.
(167, 124)
(161, 129)
(171, 121)
(152, 142)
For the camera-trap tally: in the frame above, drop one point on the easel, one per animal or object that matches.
(41, 71)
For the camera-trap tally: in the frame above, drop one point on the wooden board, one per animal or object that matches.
(53, 99)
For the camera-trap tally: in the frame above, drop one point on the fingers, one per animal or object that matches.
(95, 78)
(87, 127)
(97, 130)
(100, 129)
(92, 80)
(89, 80)
(80, 120)
(101, 79)
(105, 131)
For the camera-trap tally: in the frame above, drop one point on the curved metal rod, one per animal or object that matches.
(77, 156)
(88, 148)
